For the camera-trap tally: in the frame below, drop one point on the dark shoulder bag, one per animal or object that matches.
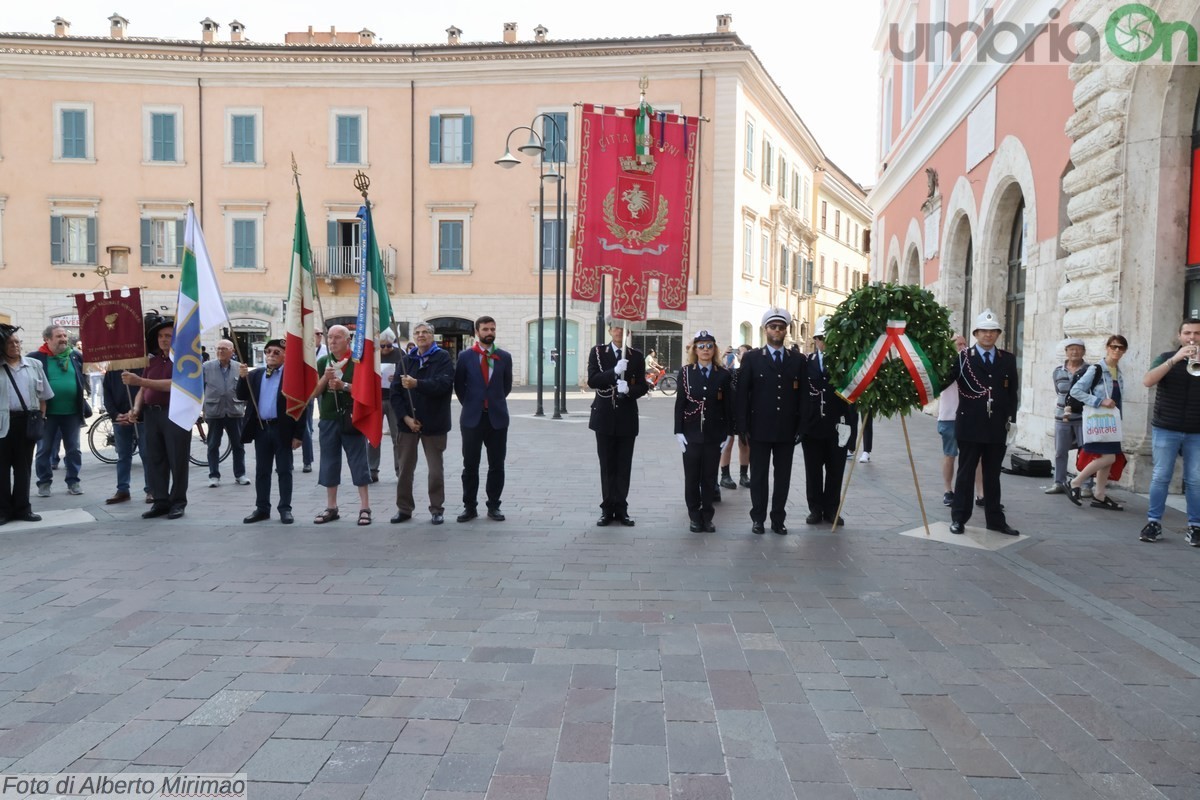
(35, 422)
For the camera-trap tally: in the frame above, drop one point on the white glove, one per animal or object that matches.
(622, 387)
(679, 437)
(721, 449)
(619, 369)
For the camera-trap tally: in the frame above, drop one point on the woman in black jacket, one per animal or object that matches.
(703, 422)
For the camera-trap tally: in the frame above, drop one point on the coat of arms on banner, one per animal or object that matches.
(635, 207)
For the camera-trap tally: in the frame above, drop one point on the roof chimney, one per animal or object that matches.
(236, 31)
(117, 25)
(539, 33)
(724, 21)
(61, 26)
(452, 34)
(510, 32)
(208, 29)
(366, 36)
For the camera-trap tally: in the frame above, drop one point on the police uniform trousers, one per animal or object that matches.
(474, 441)
(970, 454)
(272, 450)
(616, 464)
(824, 466)
(762, 454)
(700, 465)
(166, 448)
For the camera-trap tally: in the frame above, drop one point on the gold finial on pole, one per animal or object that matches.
(103, 271)
(643, 85)
(362, 183)
(295, 170)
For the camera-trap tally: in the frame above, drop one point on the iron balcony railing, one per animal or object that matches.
(346, 262)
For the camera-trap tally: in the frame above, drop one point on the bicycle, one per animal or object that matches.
(102, 441)
(665, 383)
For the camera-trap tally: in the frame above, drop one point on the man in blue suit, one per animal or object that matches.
(482, 381)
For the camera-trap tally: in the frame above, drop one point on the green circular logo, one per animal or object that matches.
(1133, 32)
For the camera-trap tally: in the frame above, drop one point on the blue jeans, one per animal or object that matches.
(123, 438)
(67, 426)
(1167, 445)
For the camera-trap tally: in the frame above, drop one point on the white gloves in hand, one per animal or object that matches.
(622, 387)
(619, 369)
(721, 449)
(679, 437)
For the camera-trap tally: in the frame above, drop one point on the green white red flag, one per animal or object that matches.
(300, 359)
(374, 315)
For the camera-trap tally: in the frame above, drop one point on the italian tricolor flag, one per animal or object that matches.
(300, 359)
(374, 315)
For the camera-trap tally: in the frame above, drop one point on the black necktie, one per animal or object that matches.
(987, 357)
(705, 371)
(778, 358)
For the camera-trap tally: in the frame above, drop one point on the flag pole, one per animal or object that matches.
(316, 288)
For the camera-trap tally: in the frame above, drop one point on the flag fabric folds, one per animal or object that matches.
(300, 359)
(374, 315)
(200, 309)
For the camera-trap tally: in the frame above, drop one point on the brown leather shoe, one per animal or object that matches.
(119, 497)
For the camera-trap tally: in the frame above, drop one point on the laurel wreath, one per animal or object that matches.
(862, 318)
(631, 234)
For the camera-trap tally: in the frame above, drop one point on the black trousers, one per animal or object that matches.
(824, 466)
(700, 465)
(272, 450)
(971, 454)
(474, 440)
(762, 454)
(166, 449)
(868, 435)
(16, 469)
(616, 464)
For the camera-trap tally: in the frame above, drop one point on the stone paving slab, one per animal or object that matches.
(543, 657)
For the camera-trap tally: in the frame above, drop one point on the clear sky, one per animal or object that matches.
(818, 52)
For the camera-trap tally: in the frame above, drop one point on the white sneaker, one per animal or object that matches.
(44, 491)
(74, 488)
(214, 482)
(242, 480)
(864, 458)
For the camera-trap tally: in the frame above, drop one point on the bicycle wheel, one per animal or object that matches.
(669, 384)
(102, 441)
(199, 451)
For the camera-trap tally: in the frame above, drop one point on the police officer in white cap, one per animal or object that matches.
(770, 400)
(987, 407)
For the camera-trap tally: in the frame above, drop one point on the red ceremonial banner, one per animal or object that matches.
(110, 325)
(635, 207)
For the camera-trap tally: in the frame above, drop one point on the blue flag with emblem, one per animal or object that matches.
(201, 308)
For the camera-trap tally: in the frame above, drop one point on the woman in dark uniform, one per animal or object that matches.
(703, 422)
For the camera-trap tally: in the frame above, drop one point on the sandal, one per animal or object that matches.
(1075, 495)
(328, 515)
(1108, 503)
(364, 517)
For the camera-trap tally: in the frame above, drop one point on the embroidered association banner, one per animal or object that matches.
(634, 210)
(110, 325)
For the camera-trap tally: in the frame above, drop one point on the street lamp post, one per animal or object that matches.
(556, 175)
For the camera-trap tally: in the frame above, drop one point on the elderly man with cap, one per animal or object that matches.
(618, 374)
(1068, 415)
(703, 420)
(987, 408)
(274, 433)
(770, 402)
(829, 424)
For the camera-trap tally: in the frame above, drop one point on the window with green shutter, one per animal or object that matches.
(162, 137)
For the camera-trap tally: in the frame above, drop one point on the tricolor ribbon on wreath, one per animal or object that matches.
(895, 340)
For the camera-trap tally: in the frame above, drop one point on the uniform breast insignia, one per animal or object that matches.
(796, 384)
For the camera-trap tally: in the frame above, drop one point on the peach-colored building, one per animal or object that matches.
(1032, 163)
(105, 140)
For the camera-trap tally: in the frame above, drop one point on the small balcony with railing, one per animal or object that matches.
(344, 262)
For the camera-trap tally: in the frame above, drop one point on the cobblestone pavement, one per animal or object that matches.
(543, 657)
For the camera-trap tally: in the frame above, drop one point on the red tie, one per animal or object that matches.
(484, 368)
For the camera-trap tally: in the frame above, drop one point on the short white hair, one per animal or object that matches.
(387, 336)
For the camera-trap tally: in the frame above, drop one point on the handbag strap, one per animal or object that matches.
(13, 381)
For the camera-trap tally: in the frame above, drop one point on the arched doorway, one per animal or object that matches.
(665, 338)
(968, 283)
(453, 334)
(1014, 301)
(893, 272)
(912, 269)
(747, 331)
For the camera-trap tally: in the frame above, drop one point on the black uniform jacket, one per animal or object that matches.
(770, 400)
(250, 387)
(976, 383)
(704, 406)
(824, 408)
(615, 414)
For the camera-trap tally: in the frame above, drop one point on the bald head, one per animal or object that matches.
(338, 340)
(224, 352)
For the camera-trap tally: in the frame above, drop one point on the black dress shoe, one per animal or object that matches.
(436, 519)
(286, 517)
(696, 527)
(307, 468)
(727, 483)
(156, 511)
(627, 521)
(3, 520)
(29, 517)
(1007, 530)
(175, 513)
(401, 516)
(710, 528)
(468, 515)
(840, 522)
(758, 527)
(717, 495)
(813, 519)
(494, 514)
(603, 521)
(958, 528)
(781, 529)
(257, 516)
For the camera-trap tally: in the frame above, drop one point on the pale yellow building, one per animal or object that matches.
(843, 223)
(105, 140)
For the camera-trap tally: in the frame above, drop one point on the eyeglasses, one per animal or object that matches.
(1117, 347)
(273, 352)
(386, 346)
(704, 345)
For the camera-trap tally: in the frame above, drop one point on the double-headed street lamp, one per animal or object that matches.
(552, 170)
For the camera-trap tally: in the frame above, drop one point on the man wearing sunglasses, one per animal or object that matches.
(274, 433)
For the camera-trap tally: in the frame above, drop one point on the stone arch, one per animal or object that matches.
(892, 273)
(910, 267)
(958, 238)
(1009, 183)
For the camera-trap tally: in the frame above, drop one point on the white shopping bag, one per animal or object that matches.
(1101, 425)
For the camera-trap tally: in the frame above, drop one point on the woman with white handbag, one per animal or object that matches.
(1100, 390)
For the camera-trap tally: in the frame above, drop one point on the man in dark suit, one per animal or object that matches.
(274, 433)
(482, 381)
(770, 400)
(828, 426)
(421, 397)
(618, 374)
(987, 407)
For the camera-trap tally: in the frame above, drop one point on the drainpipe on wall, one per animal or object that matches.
(200, 141)
(412, 186)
